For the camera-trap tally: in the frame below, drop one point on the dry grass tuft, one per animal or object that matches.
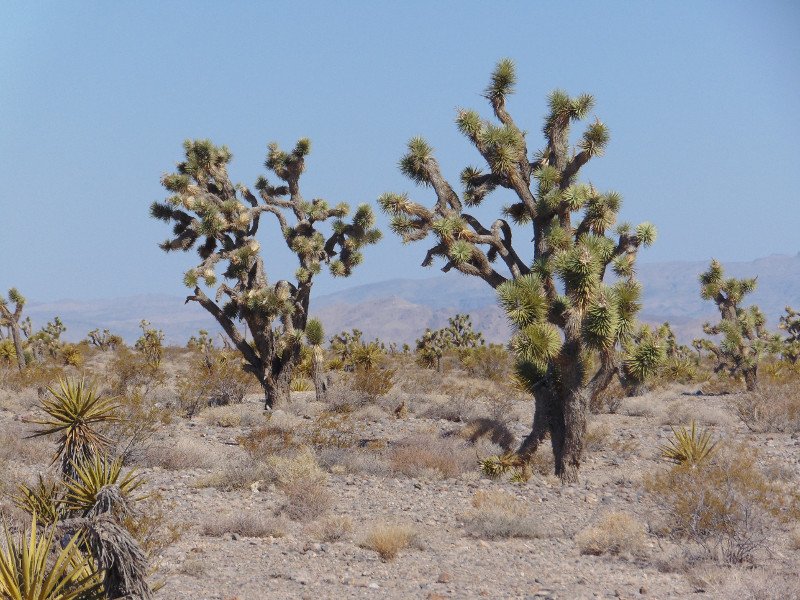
(432, 456)
(773, 409)
(331, 529)
(597, 436)
(499, 515)
(616, 533)
(246, 524)
(388, 539)
(308, 499)
(181, 454)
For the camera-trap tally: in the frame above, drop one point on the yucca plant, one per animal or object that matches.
(93, 475)
(497, 466)
(46, 500)
(76, 411)
(688, 446)
(34, 567)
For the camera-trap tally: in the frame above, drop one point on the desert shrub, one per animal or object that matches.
(332, 529)
(180, 454)
(37, 375)
(678, 369)
(269, 440)
(388, 539)
(491, 362)
(153, 525)
(214, 378)
(500, 515)
(373, 383)
(685, 411)
(73, 355)
(431, 455)
(234, 474)
(301, 464)
(355, 461)
(332, 429)
(131, 373)
(139, 421)
(724, 504)
(308, 498)
(246, 524)
(616, 533)
(773, 408)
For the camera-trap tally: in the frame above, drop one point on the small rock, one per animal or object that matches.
(444, 577)
(373, 586)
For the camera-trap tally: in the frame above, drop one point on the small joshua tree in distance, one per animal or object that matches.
(11, 319)
(221, 220)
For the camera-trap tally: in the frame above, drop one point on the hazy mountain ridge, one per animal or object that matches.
(400, 309)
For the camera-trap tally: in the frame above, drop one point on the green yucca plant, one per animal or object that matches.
(46, 500)
(34, 567)
(75, 411)
(497, 466)
(300, 384)
(688, 446)
(93, 475)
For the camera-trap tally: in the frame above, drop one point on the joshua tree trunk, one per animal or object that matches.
(18, 346)
(276, 387)
(318, 374)
(751, 378)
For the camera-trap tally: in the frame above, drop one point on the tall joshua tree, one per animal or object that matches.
(11, 319)
(564, 313)
(744, 338)
(222, 219)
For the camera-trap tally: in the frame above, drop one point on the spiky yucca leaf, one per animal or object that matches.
(34, 567)
(643, 358)
(92, 476)
(688, 446)
(44, 499)
(76, 410)
(496, 466)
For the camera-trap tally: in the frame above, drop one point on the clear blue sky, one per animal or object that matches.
(702, 100)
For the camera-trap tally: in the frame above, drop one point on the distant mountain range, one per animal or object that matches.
(400, 309)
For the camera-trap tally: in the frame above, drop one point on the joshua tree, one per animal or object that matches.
(11, 320)
(206, 204)
(431, 347)
(104, 341)
(643, 353)
(315, 336)
(744, 339)
(344, 345)
(47, 340)
(150, 344)
(790, 346)
(563, 311)
(460, 333)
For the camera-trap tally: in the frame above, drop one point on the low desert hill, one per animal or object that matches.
(400, 309)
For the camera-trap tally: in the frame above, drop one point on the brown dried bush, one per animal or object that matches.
(331, 529)
(774, 408)
(725, 505)
(389, 539)
(214, 378)
(616, 533)
(499, 515)
(426, 455)
(308, 498)
(245, 524)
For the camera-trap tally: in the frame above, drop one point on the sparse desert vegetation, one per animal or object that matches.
(591, 456)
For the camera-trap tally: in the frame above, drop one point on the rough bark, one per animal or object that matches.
(318, 374)
(18, 346)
